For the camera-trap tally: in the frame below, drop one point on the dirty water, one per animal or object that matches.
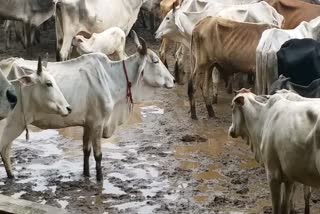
(159, 162)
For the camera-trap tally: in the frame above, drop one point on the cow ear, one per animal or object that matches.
(39, 69)
(174, 5)
(26, 80)
(239, 101)
(143, 48)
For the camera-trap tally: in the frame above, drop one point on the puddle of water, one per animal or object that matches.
(189, 165)
(210, 175)
(212, 148)
(63, 203)
(120, 176)
(73, 133)
(201, 199)
(142, 207)
(151, 110)
(109, 188)
(18, 195)
(249, 164)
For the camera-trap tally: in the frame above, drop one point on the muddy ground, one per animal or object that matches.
(160, 162)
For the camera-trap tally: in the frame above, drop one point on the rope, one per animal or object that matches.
(129, 93)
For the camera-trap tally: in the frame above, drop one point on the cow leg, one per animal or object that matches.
(96, 144)
(191, 91)
(229, 84)
(86, 150)
(12, 130)
(287, 197)
(215, 84)
(8, 38)
(162, 50)
(307, 195)
(275, 187)
(207, 92)
(28, 35)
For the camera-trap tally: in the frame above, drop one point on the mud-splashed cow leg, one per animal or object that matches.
(86, 150)
(96, 144)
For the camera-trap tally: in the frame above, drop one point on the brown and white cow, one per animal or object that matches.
(226, 45)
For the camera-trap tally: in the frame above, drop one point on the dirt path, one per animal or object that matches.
(160, 162)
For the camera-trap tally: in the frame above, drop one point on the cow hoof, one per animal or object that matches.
(105, 136)
(194, 117)
(99, 177)
(11, 177)
(86, 174)
(215, 100)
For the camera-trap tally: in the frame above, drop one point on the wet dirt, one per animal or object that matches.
(161, 161)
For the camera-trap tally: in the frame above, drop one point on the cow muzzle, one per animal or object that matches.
(232, 132)
(12, 98)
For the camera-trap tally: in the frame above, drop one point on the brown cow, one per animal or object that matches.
(295, 11)
(227, 45)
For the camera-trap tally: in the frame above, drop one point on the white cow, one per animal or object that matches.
(8, 97)
(38, 94)
(269, 45)
(31, 12)
(92, 16)
(284, 132)
(110, 41)
(95, 87)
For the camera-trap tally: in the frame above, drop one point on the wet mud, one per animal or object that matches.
(161, 161)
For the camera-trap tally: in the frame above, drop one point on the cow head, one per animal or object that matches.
(168, 27)
(238, 127)
(8, 97)
(42, 91)
(155, 72)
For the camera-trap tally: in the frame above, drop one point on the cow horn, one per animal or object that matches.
(39, 69)
(135, 39)
(143, 47)
(174, 5)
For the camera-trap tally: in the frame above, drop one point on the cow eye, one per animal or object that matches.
(49, 84)
(167, 18)
(155, 62)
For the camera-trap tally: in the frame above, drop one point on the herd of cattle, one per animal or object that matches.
(275, 43)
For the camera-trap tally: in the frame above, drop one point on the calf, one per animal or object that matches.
(226, 45)
(110, 41)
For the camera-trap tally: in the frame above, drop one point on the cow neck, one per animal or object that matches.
(133, 66)
(254, 118)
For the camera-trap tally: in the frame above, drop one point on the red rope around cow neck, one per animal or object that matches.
(129, 94)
